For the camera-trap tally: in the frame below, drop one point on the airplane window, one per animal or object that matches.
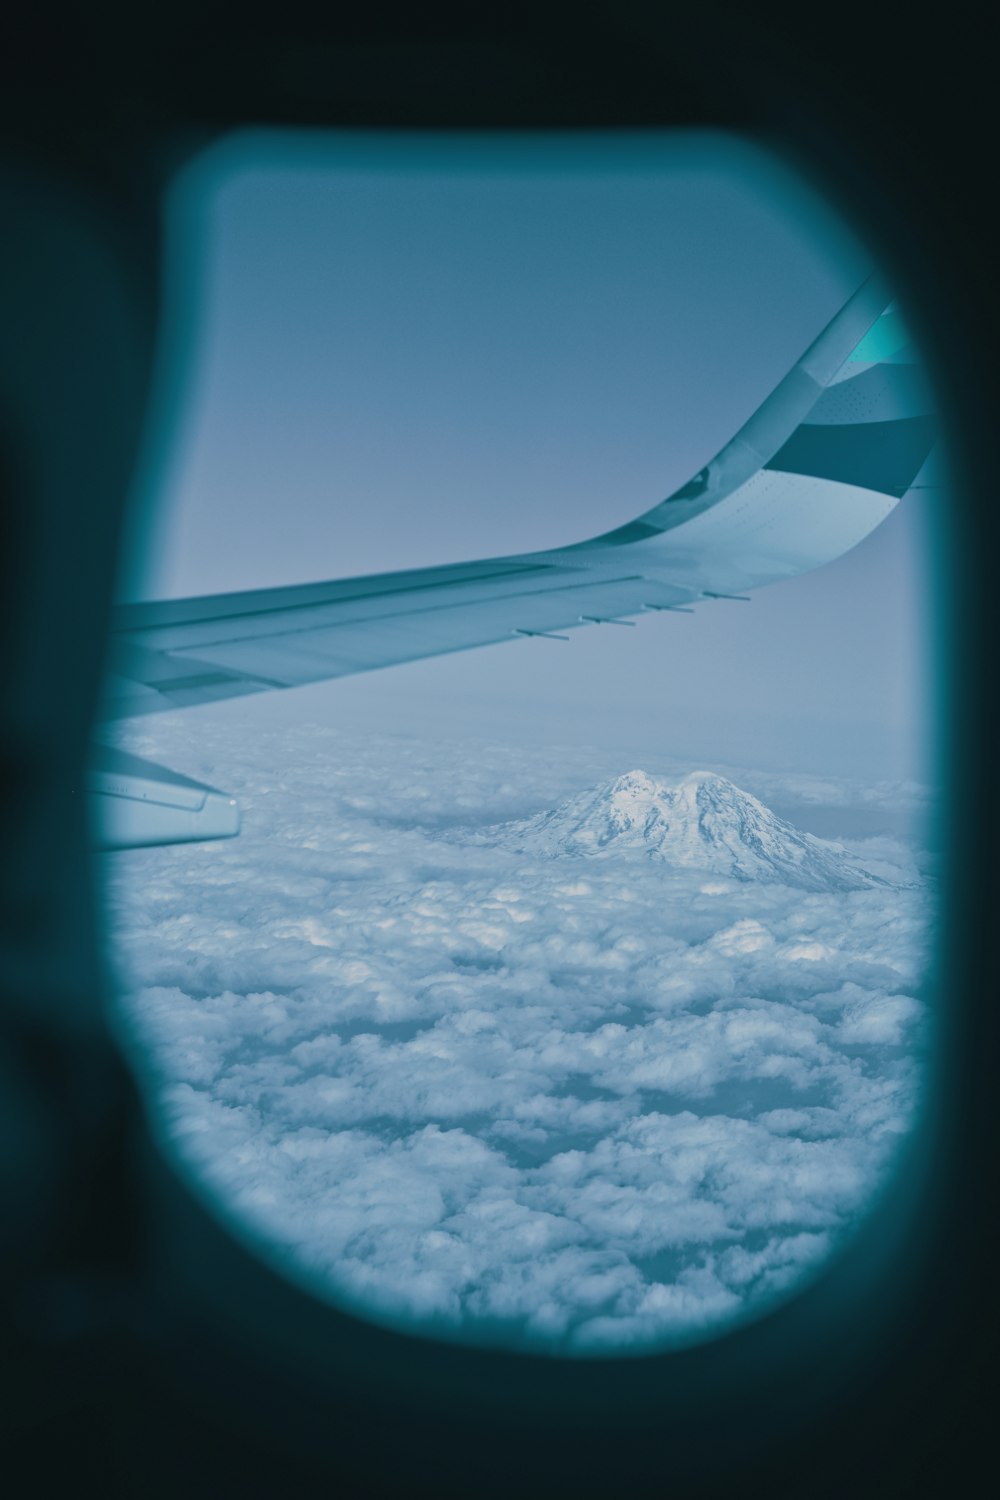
(571, 993)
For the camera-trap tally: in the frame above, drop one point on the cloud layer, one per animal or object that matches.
(587, 1105)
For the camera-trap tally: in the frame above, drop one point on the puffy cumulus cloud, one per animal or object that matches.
(582, 1104)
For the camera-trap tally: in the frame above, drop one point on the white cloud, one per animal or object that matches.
(588, 1105)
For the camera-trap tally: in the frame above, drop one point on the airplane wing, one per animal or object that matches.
(825, 459)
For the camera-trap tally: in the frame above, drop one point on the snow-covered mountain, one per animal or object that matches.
(701, 823)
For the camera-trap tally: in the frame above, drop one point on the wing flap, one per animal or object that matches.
(300, 654)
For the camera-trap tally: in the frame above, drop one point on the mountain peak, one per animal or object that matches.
(701, 822)
(640, 780)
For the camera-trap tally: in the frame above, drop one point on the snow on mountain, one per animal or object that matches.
(703, 822)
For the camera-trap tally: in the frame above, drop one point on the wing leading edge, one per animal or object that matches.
(817, 467)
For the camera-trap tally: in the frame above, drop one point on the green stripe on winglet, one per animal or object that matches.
(883, 456)
(883, 339)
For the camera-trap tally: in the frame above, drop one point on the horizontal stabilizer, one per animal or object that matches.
(135, 803)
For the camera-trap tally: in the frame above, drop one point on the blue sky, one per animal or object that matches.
(399, 352)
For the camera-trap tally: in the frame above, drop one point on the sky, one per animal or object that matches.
(386, 352)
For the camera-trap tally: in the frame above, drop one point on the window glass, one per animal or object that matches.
(564, 994)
